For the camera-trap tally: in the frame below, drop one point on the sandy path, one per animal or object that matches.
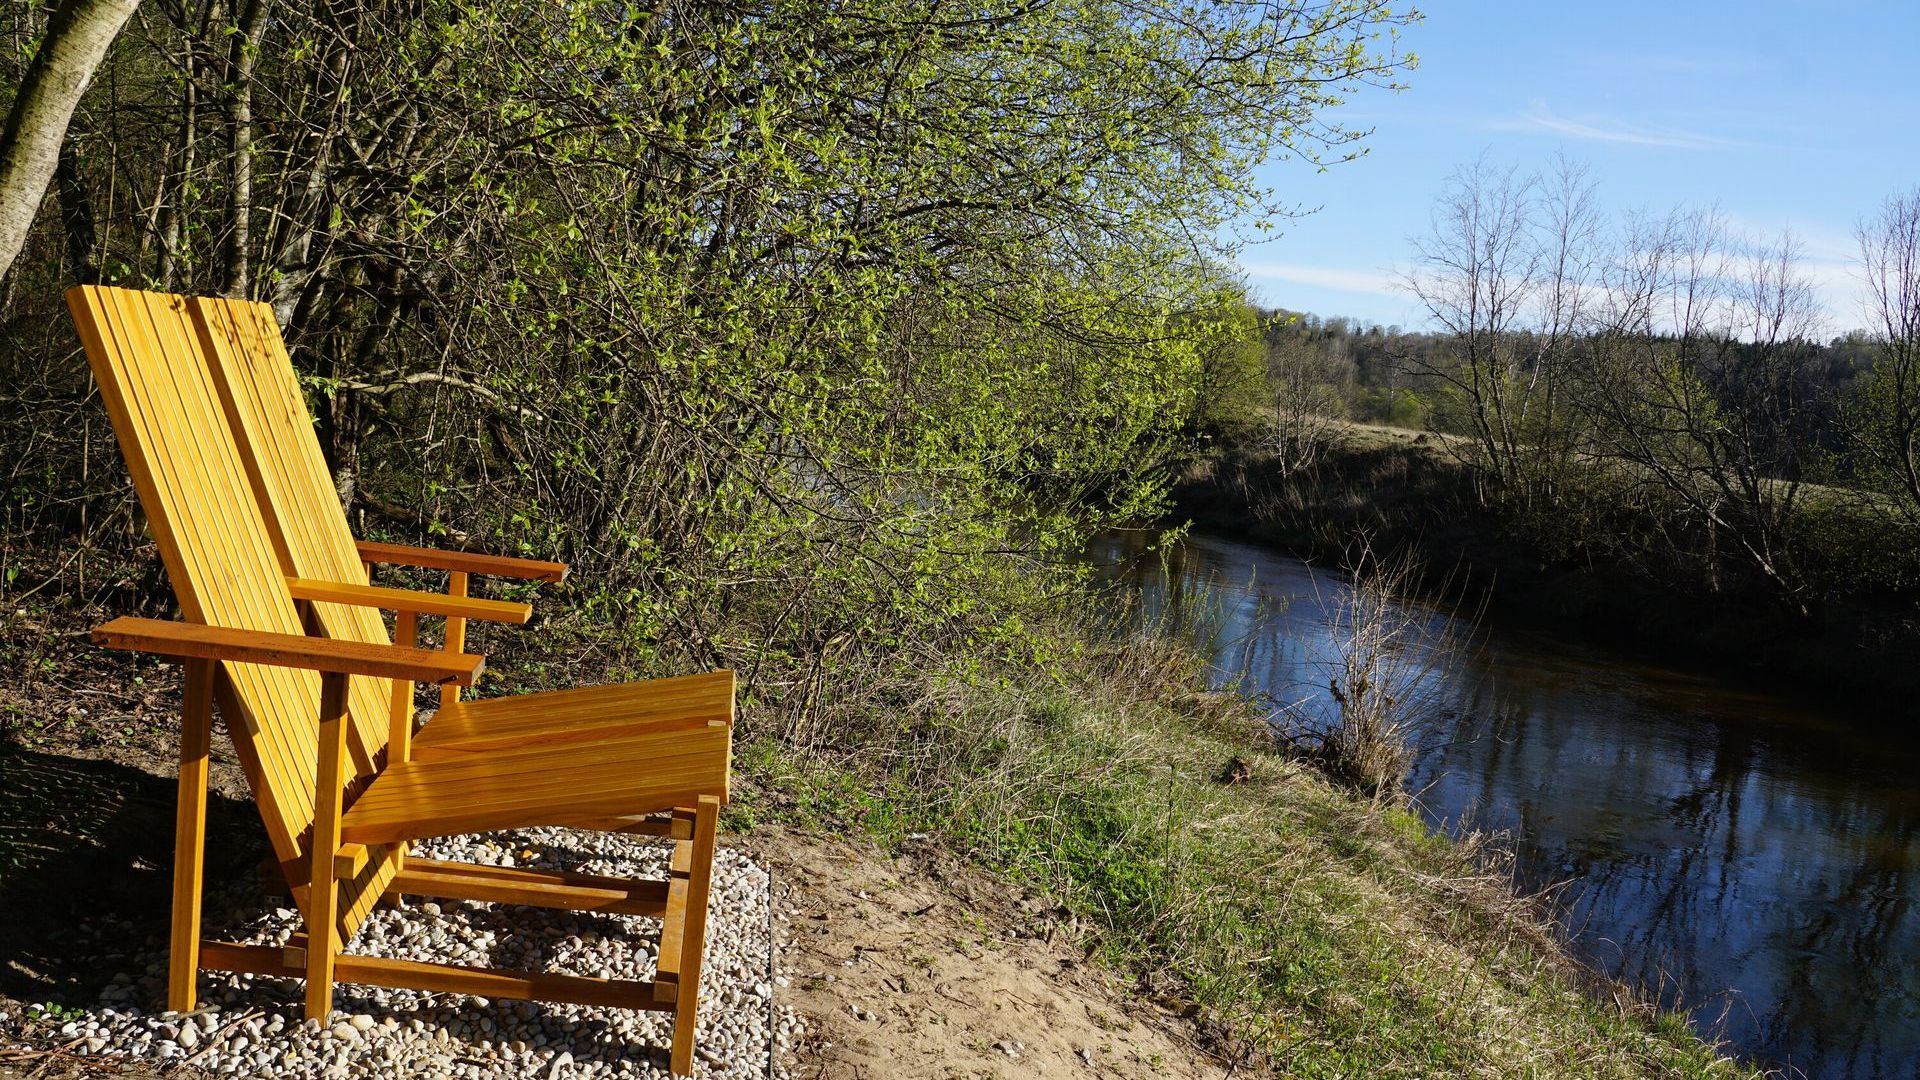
(918, 967)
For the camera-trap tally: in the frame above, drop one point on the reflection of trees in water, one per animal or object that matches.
(1689, 875)
(1706, 843)
(1176, 596)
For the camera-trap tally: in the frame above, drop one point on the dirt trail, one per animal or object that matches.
(919, 967)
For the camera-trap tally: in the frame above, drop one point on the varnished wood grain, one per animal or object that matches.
(323, 891)
(699, 880)
(419, 603)
(444, 978)
(586, 714)
(190, 834)
(561, 785)
(466, 561)
(536, 888)
(456, 633)
(165, 638)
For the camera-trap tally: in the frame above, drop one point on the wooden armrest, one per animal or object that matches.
(288, 650)
(422, 603)
(467, 561)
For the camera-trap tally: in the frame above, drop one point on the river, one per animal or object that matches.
(1744, 855)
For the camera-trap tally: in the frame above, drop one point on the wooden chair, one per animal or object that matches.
(283, 630)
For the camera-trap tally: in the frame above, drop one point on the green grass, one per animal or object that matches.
(1329, 936)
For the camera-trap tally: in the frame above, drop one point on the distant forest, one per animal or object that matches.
(1653, 390)
(1377, 374)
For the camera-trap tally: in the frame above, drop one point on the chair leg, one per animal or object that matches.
(190, 836)
(406, 634)
(323, 892)
(706, 824)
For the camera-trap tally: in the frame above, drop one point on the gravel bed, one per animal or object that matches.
(251, 1025)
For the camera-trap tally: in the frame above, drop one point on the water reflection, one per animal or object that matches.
(1749, 856)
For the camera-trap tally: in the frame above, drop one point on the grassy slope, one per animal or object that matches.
(1317, 933)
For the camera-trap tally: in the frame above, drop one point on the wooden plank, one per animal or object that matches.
(471, 562)
(406, 635)
(350, 860)
(631, 825)
(444, 978)
(561, 785)
(144, 387)
(287, 650)
(169, 418)
(189, 835)
(407, 600)
(534, 888)
(323, 896)
(699, 883)
(585, 714)
(243, 357)
(456, 633)
(673, 943)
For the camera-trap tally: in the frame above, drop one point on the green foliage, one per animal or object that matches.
(1880, 417)
(1395, 406)
(809, 332)
(1231, 391)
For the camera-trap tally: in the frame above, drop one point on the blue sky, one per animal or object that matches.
(1798, 116)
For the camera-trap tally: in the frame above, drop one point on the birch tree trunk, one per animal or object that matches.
(76, 40)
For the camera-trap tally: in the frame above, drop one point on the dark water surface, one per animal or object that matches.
(1747, 855)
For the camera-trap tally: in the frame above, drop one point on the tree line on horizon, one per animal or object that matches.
(1660, 368)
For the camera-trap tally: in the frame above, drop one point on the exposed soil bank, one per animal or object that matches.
(1404, 492)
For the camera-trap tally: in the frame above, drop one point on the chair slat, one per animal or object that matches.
(262, 403)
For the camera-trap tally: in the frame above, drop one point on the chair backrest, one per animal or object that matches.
(148, 361)
(280, 453)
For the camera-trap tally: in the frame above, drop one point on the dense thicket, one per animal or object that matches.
(804, 329)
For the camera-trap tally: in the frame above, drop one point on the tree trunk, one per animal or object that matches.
(76, 41)
(76, 216)
(246, 52)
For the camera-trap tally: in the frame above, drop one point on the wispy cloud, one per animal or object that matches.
(1542, 119)
(1828, 255)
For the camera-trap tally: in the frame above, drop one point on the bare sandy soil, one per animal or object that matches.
(920, 967)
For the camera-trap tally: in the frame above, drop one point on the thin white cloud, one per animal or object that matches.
(1542, 119)
(1829, 256)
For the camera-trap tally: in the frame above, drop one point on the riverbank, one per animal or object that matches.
(1276, 923)
(1406, 492)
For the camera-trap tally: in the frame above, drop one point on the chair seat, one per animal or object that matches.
(587, 714)
(572, 783)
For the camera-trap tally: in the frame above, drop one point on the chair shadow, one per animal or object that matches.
(86, 869)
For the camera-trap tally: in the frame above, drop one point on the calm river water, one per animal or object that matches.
(1750, 856)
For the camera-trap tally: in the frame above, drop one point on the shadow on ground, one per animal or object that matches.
(86, 853)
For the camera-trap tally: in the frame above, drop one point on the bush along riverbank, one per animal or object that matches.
(1594, 562)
